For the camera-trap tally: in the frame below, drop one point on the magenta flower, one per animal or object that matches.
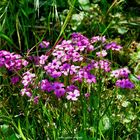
(60, 92)
(124, 83)
(45, 85)
(28, 78)
(57, 85)
(113, 46)
(26, 91)
(71, 88)
(87, 95)
(65, 69)
(123, 72)
(58, 54)
(104, 64)
(97, 39)
(44, 44)
(12, 61)
(73, 95)
(42, 59)
(90, 78)
(36, 99)
(102, 53)
(138, 76)
(15, 79)
(55, 74)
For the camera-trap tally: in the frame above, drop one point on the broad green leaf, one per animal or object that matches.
(122, 30)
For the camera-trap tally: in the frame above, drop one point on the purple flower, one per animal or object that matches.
(124, 83)
(138, 76)
(55, 74)
(57, 86)
(97, 39)
(26, 91)
(74, 69)
(90, 78)
(60, 92)
(123, 72)
(104, 64)
(113, 46)
(76, 57)
(71, 88)
(73, 95)
(36, 99)
(42, 59)
(28, 78)
(44, 44)
(45, 85)
(102, 53)
(15, 79)
(87, 95)
(65, 69)
(12, 61)
(55, 64)
(58, 54)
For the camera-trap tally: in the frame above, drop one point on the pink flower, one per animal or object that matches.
(42, 59)
(87, 95)
(113, 46)
(44, 44)
(26, 91)
(98, 38)
(102, 53)
(73, 95)
(138, 76)
(36, 99)
(45, 85)
(123, 72)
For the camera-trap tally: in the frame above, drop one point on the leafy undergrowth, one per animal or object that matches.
(78, 89)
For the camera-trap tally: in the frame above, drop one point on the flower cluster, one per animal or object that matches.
(11, 61)
(123, 72)
(124, 82)
(113, 46)
(69, 62)
(59, 89)
(28, 82)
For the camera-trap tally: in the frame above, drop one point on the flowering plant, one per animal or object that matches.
(75, 74)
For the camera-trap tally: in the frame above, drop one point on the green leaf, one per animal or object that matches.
(134, 78)
(122, 30)
(5, 37)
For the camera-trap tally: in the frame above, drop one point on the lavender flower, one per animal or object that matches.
(60, 92)
(44, 44)
(97, 39)
(28, 78)
(42, 59)
(124, 83)
(26, 91)
(36, 99)
(113, 46)
(45, 85)
(73, 95)
(102, 53)
(123, 72)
